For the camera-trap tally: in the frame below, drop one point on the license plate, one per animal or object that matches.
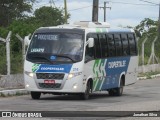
(49, 81)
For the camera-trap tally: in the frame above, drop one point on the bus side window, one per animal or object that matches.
(132, 44)
(111, 45)
(104, 46)
(125, 44)
(90, 52)
(97, 46)
(118, 44)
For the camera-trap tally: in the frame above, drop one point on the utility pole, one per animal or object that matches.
(104, 8)
(65, 9)
(95, 10)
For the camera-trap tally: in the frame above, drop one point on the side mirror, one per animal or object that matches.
(91, 42)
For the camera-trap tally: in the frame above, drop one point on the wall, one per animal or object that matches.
(149, 68)
(12, 81)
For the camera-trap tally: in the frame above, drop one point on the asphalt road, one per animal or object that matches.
(142, 96)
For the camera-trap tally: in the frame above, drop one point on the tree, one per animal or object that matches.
(18, 22)
(147, 25)
(13, 9)
(148, 29)
(49, 16)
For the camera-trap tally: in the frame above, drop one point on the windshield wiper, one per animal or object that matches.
(40, 57)
(65, 56)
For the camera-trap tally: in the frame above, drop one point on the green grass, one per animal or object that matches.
(2, 95)
(148, 74)
(16, 94)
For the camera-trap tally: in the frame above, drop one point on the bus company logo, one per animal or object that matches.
(52, 68)
(53, 57)
(6, 114)
(35, 67)
(117, 64)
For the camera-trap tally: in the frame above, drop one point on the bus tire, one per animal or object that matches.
(119, 90)
(111, 92)
(85, 96)
(35, 95)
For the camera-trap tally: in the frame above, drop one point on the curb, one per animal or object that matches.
(141, 78)
(4, 93)
(144, 78)
(154, 76)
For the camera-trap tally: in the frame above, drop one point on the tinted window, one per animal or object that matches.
(90, 52)
(132, 44)
(125, 44)
(97, 46)
(104, 45)
(64, 45)
(111, 45)
(118, 44)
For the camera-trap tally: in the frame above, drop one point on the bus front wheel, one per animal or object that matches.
(35, 95)
(85, 96)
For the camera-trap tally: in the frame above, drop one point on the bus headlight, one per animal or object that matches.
(30, 74)
(71, 75)
(75, 86)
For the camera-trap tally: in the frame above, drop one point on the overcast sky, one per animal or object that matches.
(123, 12)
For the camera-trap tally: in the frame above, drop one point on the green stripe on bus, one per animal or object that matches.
(95, 66)
(103, 66)
(99, 84)
(94, 83)
(98, 30)
(104, 30)
(35, 67)
(96, 63)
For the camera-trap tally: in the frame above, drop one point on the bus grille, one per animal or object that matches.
(53, 86)
(50, 75)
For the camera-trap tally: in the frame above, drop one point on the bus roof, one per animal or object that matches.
(85, 26)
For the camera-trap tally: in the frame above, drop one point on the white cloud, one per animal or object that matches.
(84, 14)
(123, 22)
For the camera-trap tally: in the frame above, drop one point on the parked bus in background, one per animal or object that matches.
(80, 59)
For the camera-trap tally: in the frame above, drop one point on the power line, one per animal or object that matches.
(113, 2)
(46, 3)
(133, 3)
(55, 1)
(102, 3)
(148, 2)
(80, 8)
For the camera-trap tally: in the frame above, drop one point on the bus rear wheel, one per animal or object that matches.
(35, 95)
(85, 96)
(117, 91)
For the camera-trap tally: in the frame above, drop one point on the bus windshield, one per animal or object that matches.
(56, 47)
